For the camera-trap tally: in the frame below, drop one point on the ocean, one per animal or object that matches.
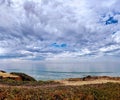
(54, 70)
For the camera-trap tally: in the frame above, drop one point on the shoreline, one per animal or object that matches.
(22, 77)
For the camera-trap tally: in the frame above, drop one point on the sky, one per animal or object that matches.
(59, 29)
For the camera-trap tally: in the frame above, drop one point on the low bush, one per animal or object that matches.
(108, 91)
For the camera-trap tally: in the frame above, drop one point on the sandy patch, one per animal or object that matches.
(77, 83)
(4, 75)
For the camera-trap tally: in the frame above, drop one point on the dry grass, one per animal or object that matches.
(108, 91)
(78, 83)
(4, 75)
(89, 80)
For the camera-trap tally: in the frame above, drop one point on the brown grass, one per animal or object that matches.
(108, 91)
(4, 75)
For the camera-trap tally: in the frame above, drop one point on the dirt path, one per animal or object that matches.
(65, 83)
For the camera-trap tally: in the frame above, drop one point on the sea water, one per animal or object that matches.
(54, 70)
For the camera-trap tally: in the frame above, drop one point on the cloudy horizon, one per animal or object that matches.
(55, 29)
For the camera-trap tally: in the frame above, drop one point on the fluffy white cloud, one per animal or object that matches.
(40, 29)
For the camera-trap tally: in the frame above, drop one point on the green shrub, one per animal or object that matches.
(24, 76)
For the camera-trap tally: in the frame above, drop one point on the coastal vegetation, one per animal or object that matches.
(27, 88)
(108, 91)
(23, 76)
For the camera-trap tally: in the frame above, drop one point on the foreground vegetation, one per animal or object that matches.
(26, 87)
(108, 91)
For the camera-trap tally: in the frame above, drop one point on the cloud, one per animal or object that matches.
(42, 29)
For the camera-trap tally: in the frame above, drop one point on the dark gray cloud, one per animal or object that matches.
(40, 29)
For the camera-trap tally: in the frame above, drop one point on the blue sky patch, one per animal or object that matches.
(63, 45)
(111, 20)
